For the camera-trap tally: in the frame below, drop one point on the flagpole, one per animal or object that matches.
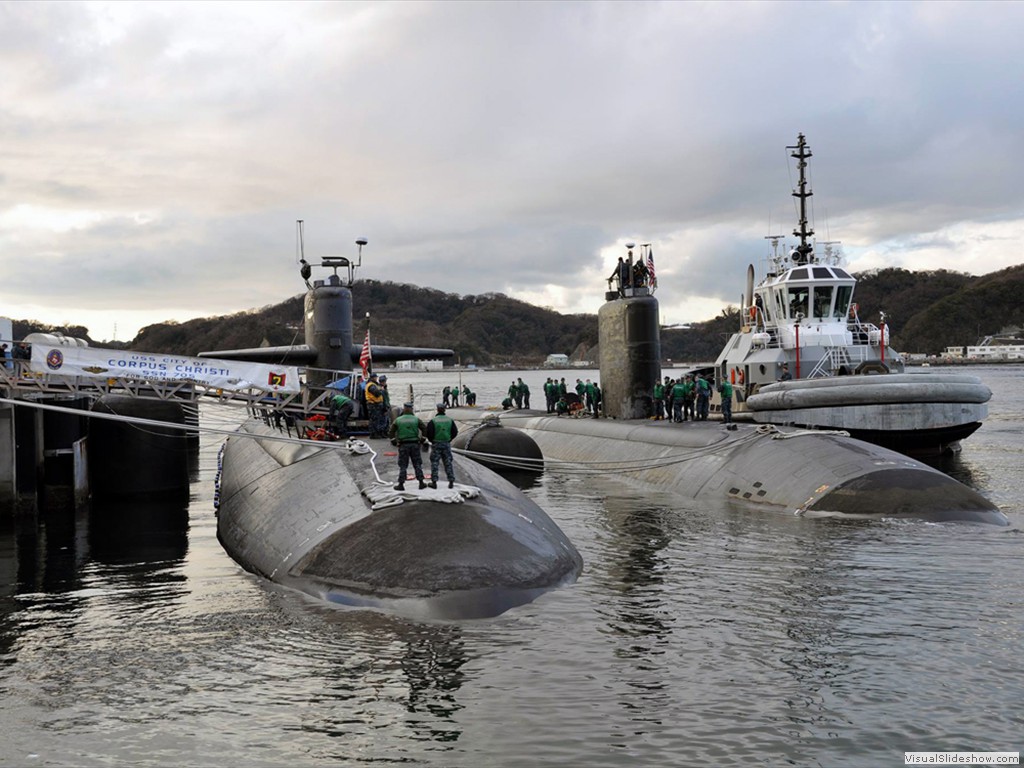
(365, 359)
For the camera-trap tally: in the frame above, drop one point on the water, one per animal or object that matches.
(695, 636)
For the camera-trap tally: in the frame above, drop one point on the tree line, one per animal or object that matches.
(926, 311)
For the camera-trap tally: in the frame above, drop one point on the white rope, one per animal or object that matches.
(603, 467)
(361, 447)
(385, 495)
(770, 429)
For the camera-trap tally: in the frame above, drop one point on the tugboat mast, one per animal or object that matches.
(804, 250)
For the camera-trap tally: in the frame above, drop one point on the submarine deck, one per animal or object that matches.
(803, 471)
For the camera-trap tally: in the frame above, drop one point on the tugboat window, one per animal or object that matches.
(821, 272)
(799, 274)
(843, 295)
(822, 301)
(798, 301)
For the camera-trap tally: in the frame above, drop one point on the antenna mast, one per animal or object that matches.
(305, 270)
(803, 231)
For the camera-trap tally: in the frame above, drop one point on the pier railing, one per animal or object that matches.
(19, 380)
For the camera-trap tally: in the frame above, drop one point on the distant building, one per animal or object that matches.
(556, 361)
(996, 352)
(954, 352)
(419, 365)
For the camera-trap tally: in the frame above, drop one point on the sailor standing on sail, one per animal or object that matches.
(406, 433)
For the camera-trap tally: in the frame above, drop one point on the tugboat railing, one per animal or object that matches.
(836, 358)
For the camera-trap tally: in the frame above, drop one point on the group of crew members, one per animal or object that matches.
(584, 400)
(518, 395)
(18, 351)
(450, 396)
(677, 400)
(373, 401)
(628, 275)
(689, 398)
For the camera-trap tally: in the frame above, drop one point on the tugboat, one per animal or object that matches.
(804, 357)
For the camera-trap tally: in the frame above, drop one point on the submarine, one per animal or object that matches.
(759, 466)
(324, 518)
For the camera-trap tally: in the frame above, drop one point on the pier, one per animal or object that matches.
(46, 460)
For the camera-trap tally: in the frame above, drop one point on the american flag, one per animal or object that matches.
(365, 361)
(652, 279)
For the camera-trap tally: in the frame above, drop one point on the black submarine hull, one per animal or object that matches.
(800, 471)
(295, 513)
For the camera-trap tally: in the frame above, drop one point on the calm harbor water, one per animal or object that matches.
(696, 635)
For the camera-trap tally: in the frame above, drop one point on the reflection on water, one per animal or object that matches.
(524, 481)
(954, 465)
(134, 532)
(432, 663)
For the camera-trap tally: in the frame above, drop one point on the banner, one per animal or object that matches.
(157, 367)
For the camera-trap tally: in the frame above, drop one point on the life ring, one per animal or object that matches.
(753, 314)
(740, 376)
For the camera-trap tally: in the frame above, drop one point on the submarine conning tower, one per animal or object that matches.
(328, 328)
(629, 341)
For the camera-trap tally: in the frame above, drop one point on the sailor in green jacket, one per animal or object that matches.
(441, 430)
(340, 412)
(725, 388)
(405, 432)
(523, 396)
(659, 401)
(514, 396)
(678, 395)
(588, 391)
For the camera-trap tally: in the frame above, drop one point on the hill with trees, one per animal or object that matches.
(926, 312)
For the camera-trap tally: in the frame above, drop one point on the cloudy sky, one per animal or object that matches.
(155, 157)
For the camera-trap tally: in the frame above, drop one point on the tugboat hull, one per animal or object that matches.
(918, 414)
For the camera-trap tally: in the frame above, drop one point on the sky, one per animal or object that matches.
(154, 157)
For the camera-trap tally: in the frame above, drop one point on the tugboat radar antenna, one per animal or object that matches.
(801, 153)
(832, 253)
